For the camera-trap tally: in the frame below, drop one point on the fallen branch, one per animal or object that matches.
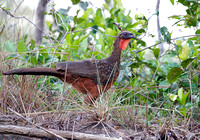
(35, 132)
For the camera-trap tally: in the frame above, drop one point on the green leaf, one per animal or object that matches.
(180, 93)
(172, 1)
(80, 39)
(109, 40)
(141, 31)
(193, 50)
(135, 65)
(11, 56)
(49, 25)
(10, 46)
(75, 1)
(186, 62)
(156, 52)
(142, 43)
(63, 11)
(111, 31)
(69, 39)
(118, 3)
(185, 52)
(87, 13)
(172, 97)
(197, 31)
(99, 19)
(183, 111)
(165, 34)
(174, 74)
(182, 97)
(147, 63)
(178, 46)
(32, 46)
(164, 85)
(21, 47)
(84, 45)
(84, 5)
(32, 60)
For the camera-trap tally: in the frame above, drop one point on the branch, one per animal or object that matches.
(148, 47)
(42, 132)
(158, 26)
(23, 17)
(42, 129)
(163, 42)
(118, 25)
(35, 132)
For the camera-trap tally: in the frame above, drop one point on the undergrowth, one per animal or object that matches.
(156, 93)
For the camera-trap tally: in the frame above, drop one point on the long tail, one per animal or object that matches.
(35, 71)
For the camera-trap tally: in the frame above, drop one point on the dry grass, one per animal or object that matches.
(36, 101)
(48, 103)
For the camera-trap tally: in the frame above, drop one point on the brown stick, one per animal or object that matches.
(118, 26)
(34, 132)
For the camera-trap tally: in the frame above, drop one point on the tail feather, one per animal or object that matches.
(35, 71)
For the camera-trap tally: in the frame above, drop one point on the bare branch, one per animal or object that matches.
(35, 132)
(158, 27)
(23, 17)
(162, 42)
(118, 25)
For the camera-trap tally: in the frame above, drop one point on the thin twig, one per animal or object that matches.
(118, 25)
(23, 17)
(162, 42)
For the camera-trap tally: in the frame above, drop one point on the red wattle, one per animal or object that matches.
(123, 43)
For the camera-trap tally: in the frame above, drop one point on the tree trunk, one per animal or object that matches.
(158, 27)
(41, 8)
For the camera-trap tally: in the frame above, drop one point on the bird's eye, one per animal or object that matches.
(125, 34)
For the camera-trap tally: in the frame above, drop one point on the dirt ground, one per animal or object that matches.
(83, 126)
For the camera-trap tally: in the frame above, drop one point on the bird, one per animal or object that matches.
(91, 77)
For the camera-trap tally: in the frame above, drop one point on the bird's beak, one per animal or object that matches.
(131, 36)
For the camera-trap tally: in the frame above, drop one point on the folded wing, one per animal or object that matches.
(84, 68)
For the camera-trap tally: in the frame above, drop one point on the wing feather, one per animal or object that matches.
(83, 68)
(92, 69)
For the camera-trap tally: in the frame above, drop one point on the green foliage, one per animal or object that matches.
(174, 74)
(156, 52)
(186, 62)
(171, 76)
(165, 34)
(191, 19)
(10, 46)
(75, 1)
(172, 1)
(181, 98)
(21, 47)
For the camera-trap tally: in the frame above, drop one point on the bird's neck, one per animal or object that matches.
(116, 53)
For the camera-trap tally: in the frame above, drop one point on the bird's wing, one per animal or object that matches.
(93, 69)
(85, 68)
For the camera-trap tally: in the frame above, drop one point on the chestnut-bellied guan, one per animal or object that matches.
(91, 77)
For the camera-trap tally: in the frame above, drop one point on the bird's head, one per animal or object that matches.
(124, 38)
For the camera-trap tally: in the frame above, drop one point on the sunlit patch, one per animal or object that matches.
(123, 43)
